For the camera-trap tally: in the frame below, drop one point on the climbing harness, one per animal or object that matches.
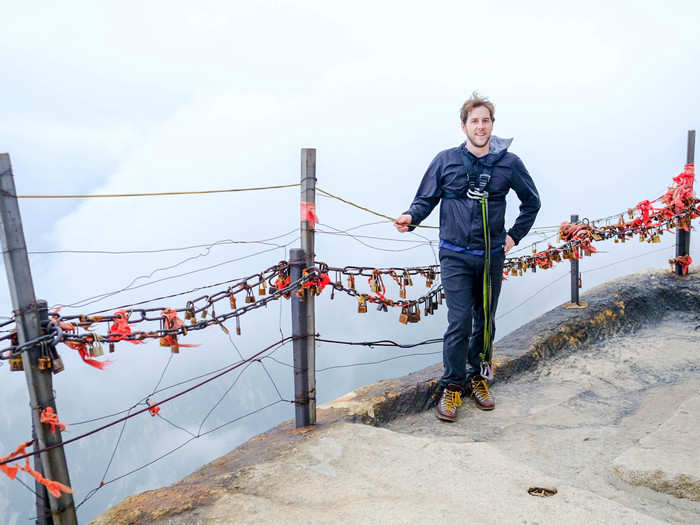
(477, 191)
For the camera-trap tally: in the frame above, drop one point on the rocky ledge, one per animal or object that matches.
(617, 307)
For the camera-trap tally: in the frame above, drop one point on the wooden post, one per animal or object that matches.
(28, 313)
(307, 227)
(682, 236)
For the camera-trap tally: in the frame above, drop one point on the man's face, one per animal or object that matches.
(478, 126)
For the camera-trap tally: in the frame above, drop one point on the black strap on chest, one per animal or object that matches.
(478, 178)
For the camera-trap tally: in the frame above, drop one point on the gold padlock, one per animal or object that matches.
(16, 364)
(373, 284)
(351, 282)
(44, 363)
(403, 318)
(362, 305)
(262, 290)
(232, 300)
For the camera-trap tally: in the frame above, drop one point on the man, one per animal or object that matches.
(472, 178)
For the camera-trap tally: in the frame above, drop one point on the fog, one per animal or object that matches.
(165, 96)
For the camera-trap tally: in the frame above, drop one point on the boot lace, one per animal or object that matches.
(481, 389)
(452, 399)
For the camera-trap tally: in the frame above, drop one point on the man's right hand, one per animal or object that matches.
(402, 223)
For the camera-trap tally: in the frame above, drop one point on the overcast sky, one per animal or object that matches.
(168, 96)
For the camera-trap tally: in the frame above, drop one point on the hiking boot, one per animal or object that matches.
(450, 399)
(480, 392)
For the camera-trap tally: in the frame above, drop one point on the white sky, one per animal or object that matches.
(163, 96)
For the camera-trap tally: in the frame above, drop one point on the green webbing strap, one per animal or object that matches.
(486, 353)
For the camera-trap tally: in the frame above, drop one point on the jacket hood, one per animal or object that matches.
(498, 147)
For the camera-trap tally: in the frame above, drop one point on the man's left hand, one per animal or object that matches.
(509, 243)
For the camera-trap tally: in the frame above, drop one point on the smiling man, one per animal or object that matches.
(472, 180)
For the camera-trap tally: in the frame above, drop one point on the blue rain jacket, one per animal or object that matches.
(460, 217)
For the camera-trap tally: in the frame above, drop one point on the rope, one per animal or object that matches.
(392, 219)
(154, 194)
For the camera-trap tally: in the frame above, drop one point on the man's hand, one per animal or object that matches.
(509, 243)
(402, 223)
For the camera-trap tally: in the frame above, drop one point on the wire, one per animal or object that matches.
(221, 242)
(375, 247)
(141, 411)
(97, 298)
(155, 194)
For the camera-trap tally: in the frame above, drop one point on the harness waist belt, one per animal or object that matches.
(447, 195)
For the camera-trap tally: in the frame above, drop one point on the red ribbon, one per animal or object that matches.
(84, 355)
(49, 416)
(120, 328)
(308, 213)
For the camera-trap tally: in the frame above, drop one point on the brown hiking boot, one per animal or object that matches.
(450, 399)
(480, 392)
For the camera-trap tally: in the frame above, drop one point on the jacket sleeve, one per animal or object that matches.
(428, 194)
(525, 188)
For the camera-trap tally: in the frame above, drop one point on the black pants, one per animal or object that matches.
(462, 278)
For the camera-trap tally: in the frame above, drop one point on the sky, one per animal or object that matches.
(168, 96)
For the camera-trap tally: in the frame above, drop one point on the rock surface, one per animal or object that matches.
(668, 460)
(563, 418)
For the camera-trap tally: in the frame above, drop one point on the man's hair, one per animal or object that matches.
(476, 101)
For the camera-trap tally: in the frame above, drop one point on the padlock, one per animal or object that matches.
(351, 282)
(382, 307)
(373, 284)
(262, 290)
(16, 364)
(402, 290)
(96, 349)
(204, 313)
(407, 281)
(44, 363)
(403, 318)
(56, 363)
(111, 348)
(249, 298)
(362, 305)
(232, 300)
(238, 325)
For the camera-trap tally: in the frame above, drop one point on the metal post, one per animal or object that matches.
(575, 279)
(297, 263)
(682, 236)
(27, 314)
(308, 218)
(574, 271)
(43, 510)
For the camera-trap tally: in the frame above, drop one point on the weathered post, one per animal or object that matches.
(297, 263)
(575, 276)
(28, 312)
(682, 236)
(575, 279)
(307, 227)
